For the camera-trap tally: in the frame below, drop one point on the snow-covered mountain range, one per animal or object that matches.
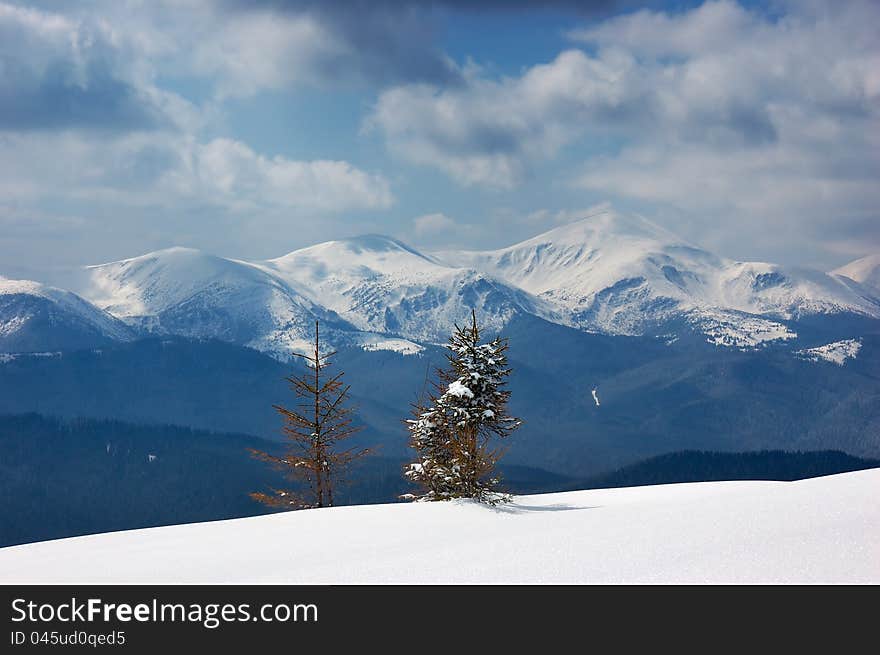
(609, 273)
(622, 274)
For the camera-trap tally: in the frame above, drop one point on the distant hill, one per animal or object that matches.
(654, 398)
(701, 466)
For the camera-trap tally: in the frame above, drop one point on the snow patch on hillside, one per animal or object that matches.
(11, 357)
(836, 353)
(13, 324)
(823, 530)
(737, 331)
(373, 343)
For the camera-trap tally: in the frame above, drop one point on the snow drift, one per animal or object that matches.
(822, 530)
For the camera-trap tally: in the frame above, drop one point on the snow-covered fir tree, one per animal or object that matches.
(455, 431)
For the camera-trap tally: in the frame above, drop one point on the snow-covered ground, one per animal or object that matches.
(823, 530)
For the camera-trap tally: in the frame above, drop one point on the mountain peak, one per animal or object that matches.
(174, 253)
(28, 287)
(37, 289)
(375, 243)
(371, 250)
(584, 257)
(603, 225)
(39, 317)
(864, 271)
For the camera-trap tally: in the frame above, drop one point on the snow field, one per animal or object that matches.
(823, 530)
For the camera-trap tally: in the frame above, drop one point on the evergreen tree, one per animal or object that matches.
(430, 437)
(454, 432)
(313, 432)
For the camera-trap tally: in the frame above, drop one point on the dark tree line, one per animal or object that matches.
(67, 477)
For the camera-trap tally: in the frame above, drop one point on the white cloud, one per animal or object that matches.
(60, 72)
(755, 204)
(264, 50)
(176, 171)
(549, 217)
(809, 87)
(64, 76)
(712, 27)
(231, 170)
(433, 224)
(718, 111)
(733, 119)
(88, 130)
(70, 200)
(441, 230)
(487, 131)
(241, 47)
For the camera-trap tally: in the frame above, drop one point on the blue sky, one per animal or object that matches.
(250, 129)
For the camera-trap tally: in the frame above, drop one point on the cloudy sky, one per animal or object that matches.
(250, 129)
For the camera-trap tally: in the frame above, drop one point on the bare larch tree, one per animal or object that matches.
(314, 430)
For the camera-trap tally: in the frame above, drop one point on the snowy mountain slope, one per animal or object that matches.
(822, 530)
(865, 271)
(37, 317)
(368, 291)
(382, 285)
(622, 274)
(578, 259)
(186, 292)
